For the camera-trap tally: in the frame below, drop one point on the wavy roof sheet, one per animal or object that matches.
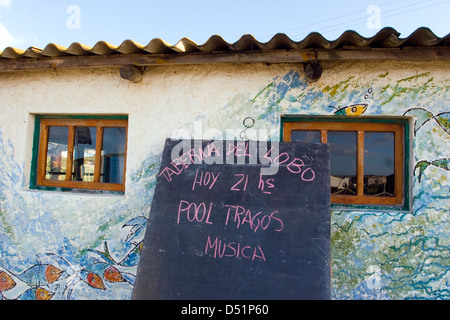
(387, 38)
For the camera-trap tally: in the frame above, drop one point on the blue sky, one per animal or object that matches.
(25, 23)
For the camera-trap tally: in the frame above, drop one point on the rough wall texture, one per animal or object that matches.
(84, 246)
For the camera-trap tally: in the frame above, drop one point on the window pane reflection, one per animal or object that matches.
(379, 163)
(84, 154)
(342, 162)
(305, 136)
(56, 163)
(113, 155)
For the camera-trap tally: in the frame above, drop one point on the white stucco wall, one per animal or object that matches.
(166, 99)
(219, 96)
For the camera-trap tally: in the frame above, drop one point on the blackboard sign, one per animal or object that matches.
(238, 220)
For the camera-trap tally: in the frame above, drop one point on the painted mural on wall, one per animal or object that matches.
(46, 250)
(60, 248)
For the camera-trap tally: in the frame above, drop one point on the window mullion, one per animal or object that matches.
(398, 158)
(360, 165)
(70, 145)
(323, 136)
(287, 132)
(98, 154)
(42, 153)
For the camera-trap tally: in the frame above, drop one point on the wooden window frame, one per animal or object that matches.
(400, 129)
(72, 123)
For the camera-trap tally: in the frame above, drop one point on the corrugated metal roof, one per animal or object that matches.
(386, 38)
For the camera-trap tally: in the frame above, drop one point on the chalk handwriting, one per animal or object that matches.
(265, 184)
(211, 154)
(242, 176)
(256, 221)
(233, 216)
(232, 249)
(194, 155)
(205, 178)
(239, 150)
(294, 166)
(193, 211)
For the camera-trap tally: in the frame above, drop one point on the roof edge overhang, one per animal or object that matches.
(275, 56)
(421, 45)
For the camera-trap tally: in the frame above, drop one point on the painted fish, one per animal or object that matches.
(130, 260)
(352, 110)
(444, 120)
(91, 274)
(40, 274)
(92, 279)
(138, 227)
(111, 274)
(440, 163)
(106, 256)
(6, 282)
(36, 294)
(423, 116)
(108, 272)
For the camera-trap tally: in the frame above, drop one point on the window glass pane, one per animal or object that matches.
(342, 162)
(113, 155)
(305, 136)
(55, 168)
(84, 154)
(379, 163)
